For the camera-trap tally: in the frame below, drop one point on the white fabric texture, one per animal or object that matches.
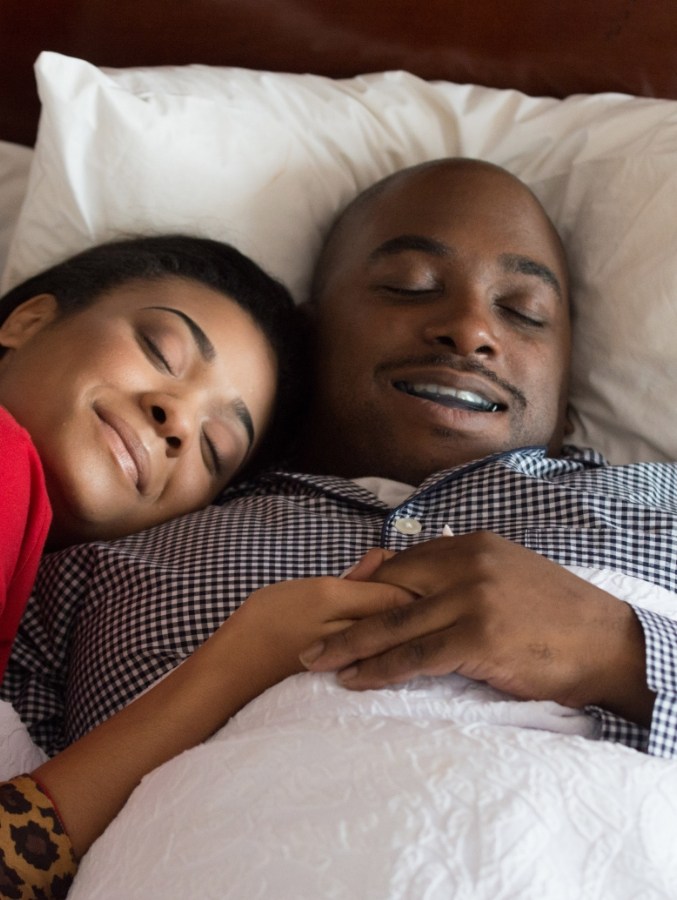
(18, 753)
(265, 160)
(439, 788)
(15, 162)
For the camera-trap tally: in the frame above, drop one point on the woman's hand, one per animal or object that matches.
(277, 622)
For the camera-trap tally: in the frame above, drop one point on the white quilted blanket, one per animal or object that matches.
(439, 789)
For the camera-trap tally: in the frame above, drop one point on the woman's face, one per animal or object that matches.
(142, 406)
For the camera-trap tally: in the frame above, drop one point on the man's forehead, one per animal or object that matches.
(402, 217)
(418, 209)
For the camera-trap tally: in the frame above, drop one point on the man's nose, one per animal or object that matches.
(464, 325)
(171, 420)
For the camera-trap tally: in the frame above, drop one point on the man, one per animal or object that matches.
(442, 333)
(445, 329)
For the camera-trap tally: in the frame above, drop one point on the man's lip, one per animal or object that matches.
(447, 378)
(132, 444)
(450, 398)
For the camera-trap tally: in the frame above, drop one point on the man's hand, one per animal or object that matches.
(494, 611)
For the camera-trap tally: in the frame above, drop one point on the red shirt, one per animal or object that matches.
(25, 516)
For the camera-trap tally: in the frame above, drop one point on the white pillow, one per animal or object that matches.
(15, 162)
(265, 160)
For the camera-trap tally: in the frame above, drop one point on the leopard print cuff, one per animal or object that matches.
(36, 856)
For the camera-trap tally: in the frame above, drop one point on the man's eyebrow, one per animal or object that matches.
(513, 262)
(510, 262)
(202, 342)
(405, 242)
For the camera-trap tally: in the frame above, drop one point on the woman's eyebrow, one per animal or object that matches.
(202, 342)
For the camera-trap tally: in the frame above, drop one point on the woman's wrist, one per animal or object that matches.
(91, 780)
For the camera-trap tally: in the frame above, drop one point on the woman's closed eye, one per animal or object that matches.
(166, 342)
(212, 457)
(223, 448)
(156, 354)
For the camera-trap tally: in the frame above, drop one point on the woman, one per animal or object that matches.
(136, 379)
(153, 358)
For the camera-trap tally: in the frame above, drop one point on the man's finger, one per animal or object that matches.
(376, 634)
(422, 568)
(432, 654)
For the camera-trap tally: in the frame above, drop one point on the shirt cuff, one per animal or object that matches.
(660, 639)
(618, 730)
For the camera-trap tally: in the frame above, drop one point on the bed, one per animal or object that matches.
(276, 113)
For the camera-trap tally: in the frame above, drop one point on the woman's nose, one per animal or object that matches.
(171, 421)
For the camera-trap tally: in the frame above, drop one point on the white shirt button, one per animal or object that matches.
(407, 525)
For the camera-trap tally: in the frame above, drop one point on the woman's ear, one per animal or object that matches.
(27, 319)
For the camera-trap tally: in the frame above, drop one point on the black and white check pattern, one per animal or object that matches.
(107, 620)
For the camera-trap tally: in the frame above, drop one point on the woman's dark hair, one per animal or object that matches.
(82, 279)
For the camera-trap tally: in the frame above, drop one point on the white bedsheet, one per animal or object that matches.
(437, 789)
(17, 752)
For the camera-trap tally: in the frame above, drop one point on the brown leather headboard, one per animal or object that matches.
(555, 47)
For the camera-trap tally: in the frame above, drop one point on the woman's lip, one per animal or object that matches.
(131, 454)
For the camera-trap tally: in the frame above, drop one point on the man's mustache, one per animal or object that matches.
(456, 363)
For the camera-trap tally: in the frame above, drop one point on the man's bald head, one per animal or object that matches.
(441, 312)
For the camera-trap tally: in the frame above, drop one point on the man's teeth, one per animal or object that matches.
(449, 396)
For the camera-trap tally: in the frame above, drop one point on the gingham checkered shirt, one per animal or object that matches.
(106, 620)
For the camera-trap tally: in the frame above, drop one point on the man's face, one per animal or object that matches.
(142, 406)
(443, 328)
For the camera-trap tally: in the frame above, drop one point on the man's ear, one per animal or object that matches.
(27, 319)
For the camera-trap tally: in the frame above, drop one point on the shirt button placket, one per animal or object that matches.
(408, 526)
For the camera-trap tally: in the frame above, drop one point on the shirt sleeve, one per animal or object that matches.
(36, 854)
(660, 638)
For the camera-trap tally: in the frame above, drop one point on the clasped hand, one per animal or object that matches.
(496, 612)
